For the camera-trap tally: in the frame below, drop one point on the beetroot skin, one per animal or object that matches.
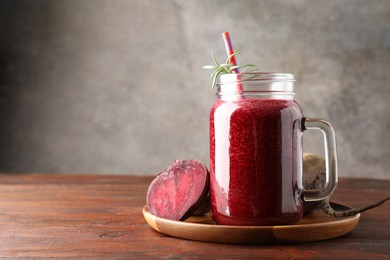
(177, 192)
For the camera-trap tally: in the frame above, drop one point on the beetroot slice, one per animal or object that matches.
(179, 190)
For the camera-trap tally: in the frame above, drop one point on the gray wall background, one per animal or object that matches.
(117, 87)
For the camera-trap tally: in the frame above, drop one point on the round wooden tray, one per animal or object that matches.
(313, 227)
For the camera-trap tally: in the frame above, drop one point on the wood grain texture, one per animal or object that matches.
(95, 216)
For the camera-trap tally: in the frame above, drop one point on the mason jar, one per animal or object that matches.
(256, 132)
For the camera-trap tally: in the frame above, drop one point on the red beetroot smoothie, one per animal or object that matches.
(254, 161)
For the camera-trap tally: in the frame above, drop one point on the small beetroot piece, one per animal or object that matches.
(177, 192)
(314, 178)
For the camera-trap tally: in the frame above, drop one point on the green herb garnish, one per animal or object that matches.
(226, 68)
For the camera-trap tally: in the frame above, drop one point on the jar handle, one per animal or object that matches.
(330, 157)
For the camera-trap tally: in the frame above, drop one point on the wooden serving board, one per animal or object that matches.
(313, 227)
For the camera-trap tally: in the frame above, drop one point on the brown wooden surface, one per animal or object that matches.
(98, 216)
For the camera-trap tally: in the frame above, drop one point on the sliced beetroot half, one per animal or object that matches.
(178, 191)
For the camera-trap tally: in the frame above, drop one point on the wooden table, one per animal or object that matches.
(86, 216)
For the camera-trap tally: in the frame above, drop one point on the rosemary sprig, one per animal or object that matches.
(226, 68)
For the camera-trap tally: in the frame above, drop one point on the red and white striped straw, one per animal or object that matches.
(230, 50)
(233, 61)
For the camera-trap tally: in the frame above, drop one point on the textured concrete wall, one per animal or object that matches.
(117, 86)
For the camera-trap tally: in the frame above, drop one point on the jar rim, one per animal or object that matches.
(255, 76)
(256, 83)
